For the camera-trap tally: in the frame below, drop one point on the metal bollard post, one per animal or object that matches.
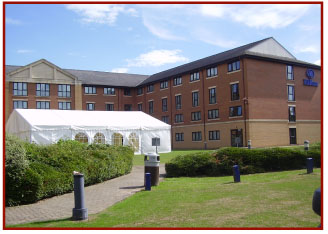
(316, 202)
(306, 145)
(236, 173)
(79, 212)
(148, 182)
(309, 165)
(249, 144)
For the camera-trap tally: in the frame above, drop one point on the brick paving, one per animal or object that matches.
(97, 198)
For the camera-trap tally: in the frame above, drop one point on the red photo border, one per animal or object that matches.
(150, 2)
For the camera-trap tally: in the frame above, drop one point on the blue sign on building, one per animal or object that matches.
(310, 76)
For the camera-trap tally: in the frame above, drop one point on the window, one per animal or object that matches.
(236, 137)
(127, 92)
(213, 114)
(42, 90)
(291, 92)
(20, 104)
(196, 136)
(117, 139)
(235, 111)
(151, 107)
(234, 92)
(177, 81)
(290, 72)
(90, 106)
(195, 99)
(213, 71)
(139, 106)
(292, 113)
(178, 102)
(139, 90)
(165, 119)
(164, 104)
(64, 105)
(134, 142)
(19, 89)
(164, 84)
(178, 118)
(194, 76)
(150, 88)
(42, 105)
(214, 135)
(81, 137)
(109, 107)
(99, 138)
(128, 107)
(109, 91)
(234, 66)
(292, 136)
(90, 90)
(179, 136)
(64, 90)
(195, 116)
(212, 95)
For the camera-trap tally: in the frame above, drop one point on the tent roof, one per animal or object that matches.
(123, 120)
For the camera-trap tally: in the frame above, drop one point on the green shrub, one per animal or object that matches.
(250, 161)
(47, 170)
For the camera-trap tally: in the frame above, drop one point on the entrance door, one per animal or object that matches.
(237, 137)
(292, 136)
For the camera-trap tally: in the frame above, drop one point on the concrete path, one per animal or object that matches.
(97, 198)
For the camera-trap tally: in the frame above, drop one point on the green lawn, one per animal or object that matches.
(165, 157)
(279, 199)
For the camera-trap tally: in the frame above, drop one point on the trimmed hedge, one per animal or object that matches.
(45, 171)
(220, 162)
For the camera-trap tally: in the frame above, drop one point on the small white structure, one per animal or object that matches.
(133, 128)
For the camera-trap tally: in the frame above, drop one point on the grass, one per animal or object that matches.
(278, 199)
(165, 157)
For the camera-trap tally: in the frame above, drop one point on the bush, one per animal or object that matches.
(220, 162)
(47, 170)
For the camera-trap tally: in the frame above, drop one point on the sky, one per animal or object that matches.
(146, 39)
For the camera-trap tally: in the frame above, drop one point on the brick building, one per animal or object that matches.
(258, 92)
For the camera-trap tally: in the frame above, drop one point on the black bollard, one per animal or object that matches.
(79, 212)
(309, 165)
(316, 202)
(148, 182)
(236, 173)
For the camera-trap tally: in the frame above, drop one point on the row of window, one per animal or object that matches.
(197, 136)
(42, 90)
(117, 139)
(42, 105)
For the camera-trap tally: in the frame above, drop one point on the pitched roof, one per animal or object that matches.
(108, 78)
(266, 49)
(262, 48)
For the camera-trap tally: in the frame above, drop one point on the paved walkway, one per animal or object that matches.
(97, 198)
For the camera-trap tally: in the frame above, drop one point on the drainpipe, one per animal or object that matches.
(171, 114)
(205, 145)
(245, 99)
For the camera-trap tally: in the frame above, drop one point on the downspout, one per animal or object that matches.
(203, 89)
(118, 98)
(171, 113)
(245, 100)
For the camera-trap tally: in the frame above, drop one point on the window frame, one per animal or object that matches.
(139, 105)
(214, 135)
(62, 93)
(234, 95)
(212, 72)
(234, 66)
(195, 98)
(42, 90)
(179, 136)
(178, 102)
(194, 76)
(151, 107)
(88, 104)
(292, 118)
(23, 102)
(213, 111)
(111, 90)
(235, 111)
(20, 92)
(150, 88)
(165, 119)
(196, 136)
(90, 89)
(64, 103)
(164, 84)
(290, 74)
(109, 106)
(211, 97)
(127, 92)
(196, 116)
(291, 94)
(164, 105)
(40, 103)
(178, 118)
(177, 81)
(140, 91)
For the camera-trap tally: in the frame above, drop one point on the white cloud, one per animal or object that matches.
(318, 62)
(13, 21)
(258, 15)
(307, 49)
(159, 31)
(213, 10)
(24, 51)
(120, 70)
(157, 58)
(100, 13)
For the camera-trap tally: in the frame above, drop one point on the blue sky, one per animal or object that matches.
(145, 39)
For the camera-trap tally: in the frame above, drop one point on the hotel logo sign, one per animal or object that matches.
(310, 76)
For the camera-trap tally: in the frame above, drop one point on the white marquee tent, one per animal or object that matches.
(133, 128)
